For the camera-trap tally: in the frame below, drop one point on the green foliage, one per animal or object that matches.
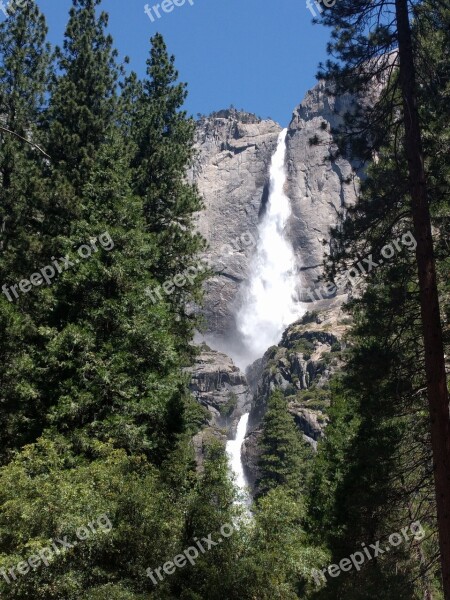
(83, 94)
(283, 453)
(24, 62)
(277, 555)
(309, 317)
(91, 372)
(227, 409)
(372, 475)
(314, 397)
(305, 347)
(49, 493)
(211, 507)
(161, 139)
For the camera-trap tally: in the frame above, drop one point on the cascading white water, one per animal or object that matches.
(269, 304)
(234, 457)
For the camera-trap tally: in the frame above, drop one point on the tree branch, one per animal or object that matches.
(25, 140)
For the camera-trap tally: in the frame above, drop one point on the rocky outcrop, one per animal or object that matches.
(307, 356)
(250, 454)
(201, 441)
(310, 352)
(221, 388)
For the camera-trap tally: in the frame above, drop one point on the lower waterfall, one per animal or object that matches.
(235, 461)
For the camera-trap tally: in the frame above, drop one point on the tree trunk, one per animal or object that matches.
(429, 300)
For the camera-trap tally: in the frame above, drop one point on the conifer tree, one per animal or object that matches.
(163, 141)
(283, 457)
(83, 99)
(373, 475)
(23, 82)
(374, 44)
(211, 511)
(111, 365)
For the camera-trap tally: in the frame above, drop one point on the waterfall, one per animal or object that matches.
(269, 301)
(234, 457)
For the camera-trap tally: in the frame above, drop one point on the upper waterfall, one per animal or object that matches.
(269, 300)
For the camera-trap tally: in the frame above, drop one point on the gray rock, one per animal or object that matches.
(201, 440)
(250, 455)
(311, 423)
(221, 388)
(232, 174)
(318, 185)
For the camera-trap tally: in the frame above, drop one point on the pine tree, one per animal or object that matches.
(23, 82)
(364, 38)
(373, 475)
(111, 369)
(283, 457)
(83, 94)
(112, 364)
(211, 514)
(163, 137)
(23, 201)
(277, 554)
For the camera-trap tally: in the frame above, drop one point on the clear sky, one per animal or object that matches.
(258, 55)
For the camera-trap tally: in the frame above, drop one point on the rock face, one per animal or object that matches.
(319, 185)
(300, 366)
(309, 353)
(250, 455)
(232, 174)
(221, 388)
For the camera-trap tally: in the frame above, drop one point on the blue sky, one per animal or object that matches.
(258, 55)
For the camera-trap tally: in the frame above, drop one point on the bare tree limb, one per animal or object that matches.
(25, 140)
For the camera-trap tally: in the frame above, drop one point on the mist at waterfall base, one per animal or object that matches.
(268, 303)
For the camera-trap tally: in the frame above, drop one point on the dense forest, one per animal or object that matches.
(96, 418)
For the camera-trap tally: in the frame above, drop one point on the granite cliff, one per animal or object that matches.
(232, 173)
